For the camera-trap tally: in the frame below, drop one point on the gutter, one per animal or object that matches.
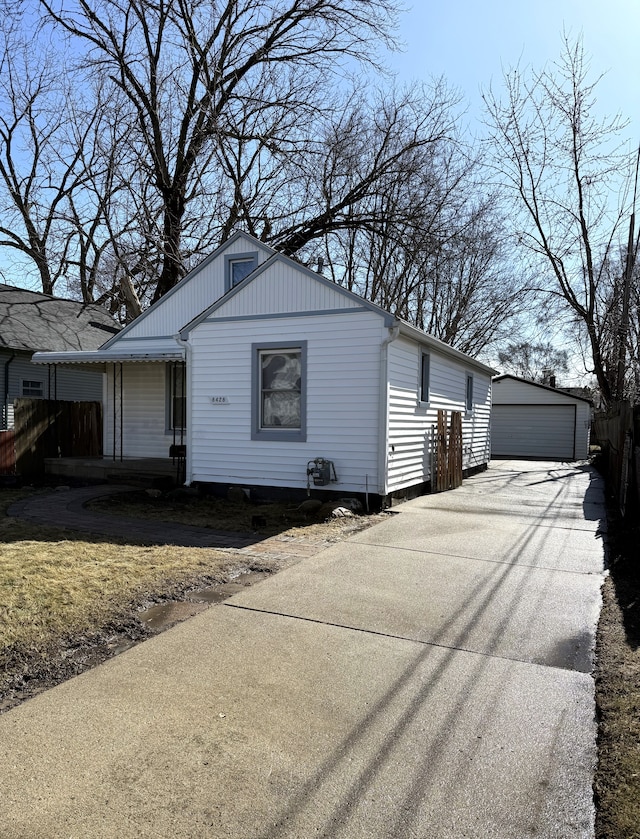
(99, 357)
(445, 349)
(188, 476)
(383, 431)
(6, 390)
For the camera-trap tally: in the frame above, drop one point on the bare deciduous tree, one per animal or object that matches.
(534, 361)
(187, 67)
(562, 165)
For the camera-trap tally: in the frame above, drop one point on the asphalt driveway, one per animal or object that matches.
(429, 677)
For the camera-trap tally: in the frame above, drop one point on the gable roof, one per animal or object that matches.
(188, 278)
(355, 301)
(557, 390)
(30, 320)
(261, 269)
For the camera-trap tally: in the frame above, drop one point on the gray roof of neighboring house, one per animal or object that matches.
(33, 321)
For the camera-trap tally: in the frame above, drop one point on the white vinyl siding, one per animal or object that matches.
(144, 411)
(538, 422)
(411, 422)
(284, 289)
(198, 290)
(342, 396)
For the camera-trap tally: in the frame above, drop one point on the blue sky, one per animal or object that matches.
(470, 43)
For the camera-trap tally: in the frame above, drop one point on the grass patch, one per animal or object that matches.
(56, 583)
(60, 589)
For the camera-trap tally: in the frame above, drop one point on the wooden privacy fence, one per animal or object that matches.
(617, 432)
(447, 452)
(53, 428)
(7, 452)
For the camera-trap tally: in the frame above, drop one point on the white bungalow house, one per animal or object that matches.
(271, 376)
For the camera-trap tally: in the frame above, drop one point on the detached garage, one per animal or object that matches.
(529, 420)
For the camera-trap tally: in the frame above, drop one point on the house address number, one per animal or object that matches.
(220, 400)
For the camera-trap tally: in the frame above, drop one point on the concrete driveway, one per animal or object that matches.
(429, 677)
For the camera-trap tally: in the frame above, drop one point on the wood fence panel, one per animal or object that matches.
(448, 452)
(7, 452)
(616, 432)
(49, 428)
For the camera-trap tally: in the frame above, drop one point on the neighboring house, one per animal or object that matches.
(530, 420)
(29, 322)
(260, 366)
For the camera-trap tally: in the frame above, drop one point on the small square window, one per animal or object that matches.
(32, 388)
(237, 267)
(425, 373)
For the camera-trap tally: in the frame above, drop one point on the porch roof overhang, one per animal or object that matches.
(98, 357)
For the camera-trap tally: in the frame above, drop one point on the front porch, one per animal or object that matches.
(157, 472)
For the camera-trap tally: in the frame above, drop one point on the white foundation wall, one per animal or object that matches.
(411, 422)
(343, 401)
(144, 411)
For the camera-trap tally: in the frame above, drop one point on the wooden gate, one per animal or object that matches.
(49, 428)
(447, 453)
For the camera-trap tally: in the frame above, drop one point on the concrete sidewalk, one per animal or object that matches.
(429, 677)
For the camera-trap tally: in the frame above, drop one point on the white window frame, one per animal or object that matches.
(31, 385)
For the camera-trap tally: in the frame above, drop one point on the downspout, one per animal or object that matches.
(6, 391)
(383, 431)
(188, 476)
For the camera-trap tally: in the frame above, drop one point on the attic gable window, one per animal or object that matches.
(237, 266)
(279, 392)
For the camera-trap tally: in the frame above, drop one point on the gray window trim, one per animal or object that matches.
(424, 393)
(289, 435)
(168, 428)
(230, 258)
(468, 393)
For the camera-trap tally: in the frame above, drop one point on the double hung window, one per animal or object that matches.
(32, 388)
(279, 392)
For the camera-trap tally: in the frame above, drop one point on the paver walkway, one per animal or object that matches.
(429, 677)
(65, 508)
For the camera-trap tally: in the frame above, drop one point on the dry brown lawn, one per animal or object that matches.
(59, 589)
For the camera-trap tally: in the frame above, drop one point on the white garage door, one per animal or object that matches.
(545, 432)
